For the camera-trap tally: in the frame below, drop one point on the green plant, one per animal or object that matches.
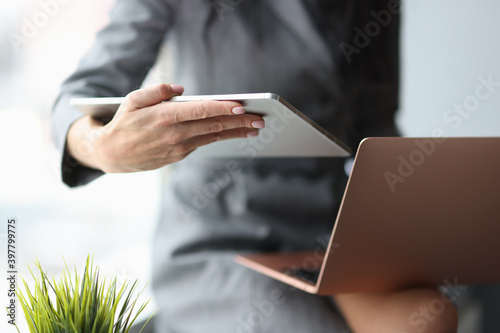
(79, 304)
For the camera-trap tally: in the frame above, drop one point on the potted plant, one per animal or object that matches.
(79, 304)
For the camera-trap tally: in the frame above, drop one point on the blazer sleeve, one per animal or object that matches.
(118, 62)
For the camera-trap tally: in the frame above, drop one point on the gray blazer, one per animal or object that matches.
(212, 209)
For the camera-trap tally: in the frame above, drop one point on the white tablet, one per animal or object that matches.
(288, 132)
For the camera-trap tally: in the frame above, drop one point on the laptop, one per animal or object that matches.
(288, 132)
(415, 212)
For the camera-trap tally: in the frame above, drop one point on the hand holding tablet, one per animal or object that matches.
(146, 134)
(287, 132)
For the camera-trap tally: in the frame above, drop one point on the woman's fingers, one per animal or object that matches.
(150, 96)
(170, 113)
(150, 102)
(193, 128)
(187, 146)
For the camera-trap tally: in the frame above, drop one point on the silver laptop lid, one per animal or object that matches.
(417, 211)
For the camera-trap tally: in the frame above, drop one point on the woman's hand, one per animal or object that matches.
(146, 134)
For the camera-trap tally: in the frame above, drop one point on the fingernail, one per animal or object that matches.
(258, 124)
(177, 89)
(238, 110)
(252, 134)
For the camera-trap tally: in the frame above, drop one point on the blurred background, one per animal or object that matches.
(114, 217)
(448, 49)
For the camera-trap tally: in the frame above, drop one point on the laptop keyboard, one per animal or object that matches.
(310, 275)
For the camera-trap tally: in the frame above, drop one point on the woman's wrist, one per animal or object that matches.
(81, 141)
